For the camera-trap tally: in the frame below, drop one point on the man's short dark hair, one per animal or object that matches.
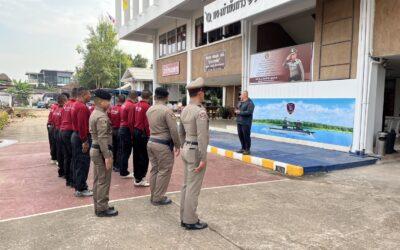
(74, 93)
(82, 91)
(161, 93)
(65, 94)
(61, 99)
(133, 95)
(146, 94)
(121, 98)
(194, 92)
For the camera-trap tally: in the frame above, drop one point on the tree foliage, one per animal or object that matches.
(21, 90)
(139, 61)
(102, 58)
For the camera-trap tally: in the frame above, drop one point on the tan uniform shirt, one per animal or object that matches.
(163, 124)
(194, 127)
(101, 131)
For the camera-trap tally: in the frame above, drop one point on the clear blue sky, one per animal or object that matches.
(43, 34)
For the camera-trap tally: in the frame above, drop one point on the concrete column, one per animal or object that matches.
(397, 99)
(246, 42)
(135, 8)
(118, 13)
(145, 4)
(190, 45)
(127, 11)
(224, 96)
(155, 53)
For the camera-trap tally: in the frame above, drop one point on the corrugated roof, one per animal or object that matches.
(4, 77)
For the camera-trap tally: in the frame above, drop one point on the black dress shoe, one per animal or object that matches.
(240, 151)
(163, 202)
(198, 226)
(107, 213)
(246, 152)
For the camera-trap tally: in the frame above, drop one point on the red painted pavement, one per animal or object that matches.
(29, 183)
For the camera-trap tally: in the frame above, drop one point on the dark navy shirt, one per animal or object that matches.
(246, 108)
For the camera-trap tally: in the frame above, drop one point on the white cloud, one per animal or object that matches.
(36, 34)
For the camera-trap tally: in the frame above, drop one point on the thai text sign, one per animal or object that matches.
(214, 61)
(222, 12)
(291, 64)
(170, 69)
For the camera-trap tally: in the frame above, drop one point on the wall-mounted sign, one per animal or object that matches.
(171, 69)
(214, 61)
(291, 64)
(222, 12)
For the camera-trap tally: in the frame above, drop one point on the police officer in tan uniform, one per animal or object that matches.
(101, 154)
(164, 139)
(194, 135)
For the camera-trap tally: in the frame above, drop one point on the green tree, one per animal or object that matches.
(21, 90)
(139, 61)
(101, 58)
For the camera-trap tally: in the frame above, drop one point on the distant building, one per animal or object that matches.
(50, 77)
(138, 79)
(5, 80)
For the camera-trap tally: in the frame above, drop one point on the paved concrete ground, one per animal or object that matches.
(349, 209)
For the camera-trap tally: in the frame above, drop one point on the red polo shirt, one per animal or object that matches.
(80, 120)
(127, 111)
(53, 107)
(114, 113)
(57, 116)
(66, 120)
(140, 120)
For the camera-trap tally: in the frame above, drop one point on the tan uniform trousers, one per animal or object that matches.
(191, 185)
(162, 162)
(101, 182)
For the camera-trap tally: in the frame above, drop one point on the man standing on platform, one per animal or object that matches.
(141, 133)
(114, 113)
(101, 154)
(244, 121)
(126, 134)
(81, 142)
(66, 134)
(164, 138)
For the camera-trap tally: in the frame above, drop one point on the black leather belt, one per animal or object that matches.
(192, 142)
(168, 143)
(95, 146)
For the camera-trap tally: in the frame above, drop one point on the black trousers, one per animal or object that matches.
(81, 162)
(125, 147)
(116, 150)
(244, 132)
(52, 142)
(60, 154)
(67, 150)
(141, 158)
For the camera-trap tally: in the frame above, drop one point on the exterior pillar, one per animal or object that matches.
(118, 13)
(190, 45)
(364, 63)
(155, 53)
(246, 28)
(146, 4)
(224, 96)
(127, 11)
(135, 8)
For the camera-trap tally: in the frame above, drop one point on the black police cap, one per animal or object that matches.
(161, 92)
(102, 94)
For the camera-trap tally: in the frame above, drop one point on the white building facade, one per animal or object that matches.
(308, 65)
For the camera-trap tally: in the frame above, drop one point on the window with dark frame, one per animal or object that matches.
(200, 36)
(181, 37)
(233, 29)
(163, 45)
(215, 35)
(171, 41)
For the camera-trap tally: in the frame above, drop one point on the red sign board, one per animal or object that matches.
(170, 69)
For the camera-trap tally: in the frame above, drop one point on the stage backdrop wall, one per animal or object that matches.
(322, 120)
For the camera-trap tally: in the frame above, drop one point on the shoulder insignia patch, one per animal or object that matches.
(203, 115)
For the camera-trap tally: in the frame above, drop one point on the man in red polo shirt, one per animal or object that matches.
(141, 134)
(50, 132)
(66, 133)
(80, 142)
(114, 113)
(57, 118)
(125, 134)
